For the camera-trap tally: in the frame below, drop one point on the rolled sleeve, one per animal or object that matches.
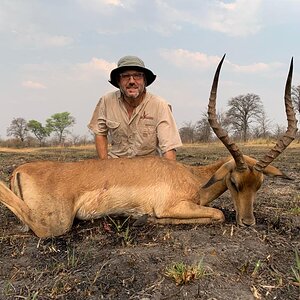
(167, 133)
(98, 121)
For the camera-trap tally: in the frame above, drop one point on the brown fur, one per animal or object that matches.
(49, 195)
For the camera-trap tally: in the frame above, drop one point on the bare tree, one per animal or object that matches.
(74, 139)
(223, 120)
(296, 97)
(18, 128)
(244, 110)
(264, 124)
(187, 132)
(278, 131)
(203, 129)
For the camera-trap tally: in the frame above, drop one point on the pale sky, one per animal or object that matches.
(56, 55)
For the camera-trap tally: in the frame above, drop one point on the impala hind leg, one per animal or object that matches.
(37, 221)
(186, 212)
(15, 204)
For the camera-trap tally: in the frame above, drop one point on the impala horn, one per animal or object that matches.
(218, 130)
(291, 131)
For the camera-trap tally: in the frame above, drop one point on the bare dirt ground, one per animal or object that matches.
(109, 258)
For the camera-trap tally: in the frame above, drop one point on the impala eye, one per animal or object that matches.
(234, 183)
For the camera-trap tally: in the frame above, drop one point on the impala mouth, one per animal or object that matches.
(246, 222)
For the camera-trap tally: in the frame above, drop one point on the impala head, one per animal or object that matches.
(243, 175)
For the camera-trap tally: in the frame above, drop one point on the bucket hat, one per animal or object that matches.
(132, 63)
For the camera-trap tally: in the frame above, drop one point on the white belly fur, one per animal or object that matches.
(134, 201)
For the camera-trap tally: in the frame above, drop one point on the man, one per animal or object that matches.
(137, 122)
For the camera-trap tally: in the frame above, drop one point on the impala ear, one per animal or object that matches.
(274, 172)
(220, 173)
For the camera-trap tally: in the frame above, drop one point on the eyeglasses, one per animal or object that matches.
(135, 76)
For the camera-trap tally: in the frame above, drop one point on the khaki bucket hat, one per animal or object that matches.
(132, 63)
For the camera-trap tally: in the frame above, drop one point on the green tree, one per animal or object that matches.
(39, 131)
(59, 123)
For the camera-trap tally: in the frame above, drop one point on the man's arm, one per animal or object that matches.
(167, 132)
(101, 146)
(171, 154)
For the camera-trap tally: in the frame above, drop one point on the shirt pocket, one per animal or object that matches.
(114, 131)
(148, 136)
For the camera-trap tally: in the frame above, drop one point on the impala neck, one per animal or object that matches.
(212, 192)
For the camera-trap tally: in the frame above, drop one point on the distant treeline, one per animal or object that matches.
(245, 119)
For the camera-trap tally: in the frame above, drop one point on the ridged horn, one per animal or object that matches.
(291, 131)
(218, 130)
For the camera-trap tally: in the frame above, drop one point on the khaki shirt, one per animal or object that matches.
(151, 130)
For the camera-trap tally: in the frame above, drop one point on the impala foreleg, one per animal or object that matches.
(186, 212)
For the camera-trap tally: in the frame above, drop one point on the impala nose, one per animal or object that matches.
(248, 222)
(245, 221)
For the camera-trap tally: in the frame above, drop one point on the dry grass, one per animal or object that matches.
(263, 143)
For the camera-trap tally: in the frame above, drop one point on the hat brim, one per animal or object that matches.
(114, 74)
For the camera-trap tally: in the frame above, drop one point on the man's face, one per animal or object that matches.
(132, 83)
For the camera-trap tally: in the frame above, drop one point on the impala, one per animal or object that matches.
(47, 196)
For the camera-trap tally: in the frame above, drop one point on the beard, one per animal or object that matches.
(132, 92)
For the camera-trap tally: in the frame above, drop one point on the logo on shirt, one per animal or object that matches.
(145, 116)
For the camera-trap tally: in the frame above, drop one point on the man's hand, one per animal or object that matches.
(171, 154)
